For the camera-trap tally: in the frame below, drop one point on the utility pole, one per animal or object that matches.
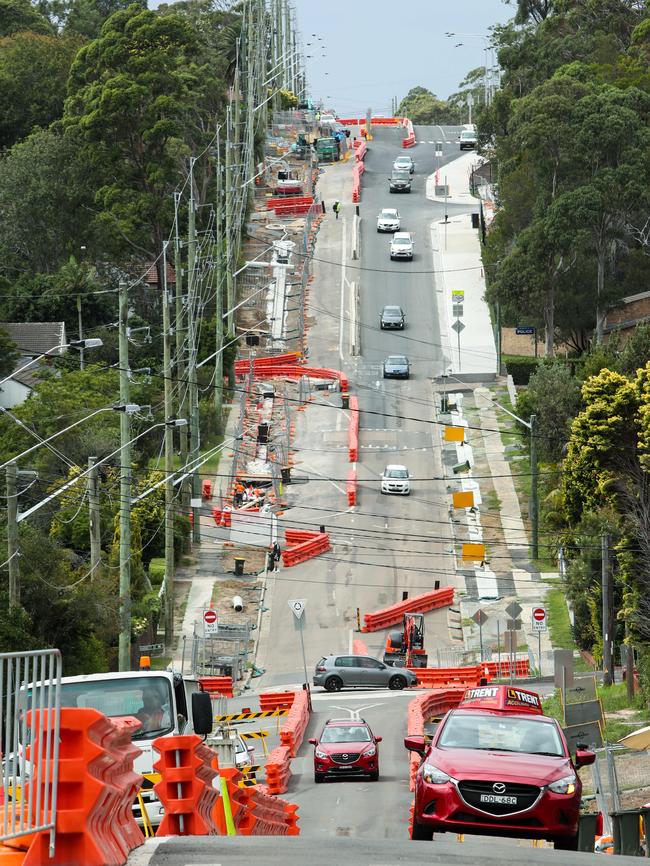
(193, 312)
(534, 499)
(169, 461)
(124, 645)
(81, 333)
(230, 297)
(12, 535)
(287, 45)
(608, 672)
(218, 360)
(94, 521)
(180, 334)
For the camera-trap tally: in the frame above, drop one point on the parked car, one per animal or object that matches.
(399, 181)
(346, 748)
(335, 672)
(396, 479)
(388, 220)
(392, 317)
(397, 367)
(404, 163)
(468, 140)
(401, 246)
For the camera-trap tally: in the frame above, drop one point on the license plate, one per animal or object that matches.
(502, 799)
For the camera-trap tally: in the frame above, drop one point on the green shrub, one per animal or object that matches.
(520, 367)
(157, 571)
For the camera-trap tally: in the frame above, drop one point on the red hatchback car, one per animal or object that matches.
(346, 748)
(498, 766)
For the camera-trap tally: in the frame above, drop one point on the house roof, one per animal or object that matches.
(35, 338)
(152, 275)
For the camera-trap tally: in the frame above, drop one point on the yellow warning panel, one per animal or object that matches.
(473, 553)
(454, 434)
(463, 499)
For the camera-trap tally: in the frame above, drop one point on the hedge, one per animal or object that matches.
(520, 367)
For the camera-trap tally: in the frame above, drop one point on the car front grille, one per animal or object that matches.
(468, 818)
(345, 757)
(479, 794)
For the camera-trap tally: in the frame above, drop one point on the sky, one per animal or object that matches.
(378, 49)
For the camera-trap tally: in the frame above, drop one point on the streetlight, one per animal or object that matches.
(488, 47)
(91, 343)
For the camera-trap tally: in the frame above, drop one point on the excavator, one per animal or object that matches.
(405, 646)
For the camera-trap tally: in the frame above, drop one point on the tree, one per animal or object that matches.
(17, 16)
(34, 69)
(422, 106)
(8, 353)
(553, 395)
(83, 16)
(532, 10)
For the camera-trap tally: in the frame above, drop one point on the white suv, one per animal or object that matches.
(396, 479)
(401, 246)
(468, 140)
(388, 220)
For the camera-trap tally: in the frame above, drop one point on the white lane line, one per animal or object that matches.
(343, 284)
(442, 133)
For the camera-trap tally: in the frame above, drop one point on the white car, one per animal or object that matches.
(327, 118)
(396, 479)
(401, 246)
(468, 140)
(388, 220)
(404, 163)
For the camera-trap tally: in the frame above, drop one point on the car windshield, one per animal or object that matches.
(401, 175)
(396, 473)
(346, 734)
(402, 242)
(402, 161)
(467, 135)
(506, 733)
(397, 359)
(389, 214)
(392, 311)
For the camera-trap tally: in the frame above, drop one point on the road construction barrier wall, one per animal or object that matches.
(418, 604)
(359, 648)
(409, 139)
(255, 811)
(243, 366)
(277, 700)
(431, 678)
(376, 121)
(502, 669)
(278, 770)
(289, 200)
(206, 488)
(422, 709)
(293, 371)
(351, 487)
(186, 788)
(295, 725)
(303, 545)
(96, 790)
(217, 686)
(357, 171)
(360, 148)
(353, 431)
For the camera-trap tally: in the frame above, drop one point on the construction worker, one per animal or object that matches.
(276, 554)
(336, 207)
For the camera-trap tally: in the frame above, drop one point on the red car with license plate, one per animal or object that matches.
(346, 748)
(498, 766)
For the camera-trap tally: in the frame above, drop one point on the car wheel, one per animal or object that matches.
(421, 831)
(333, 684)
(318, 778)
(567, 843)
(374, 777)
(397, 683)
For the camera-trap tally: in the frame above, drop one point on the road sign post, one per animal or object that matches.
(297, 606)
(539, 625)
(210, 622)
(479, 618)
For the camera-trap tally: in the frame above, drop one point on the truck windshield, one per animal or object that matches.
(149, 699)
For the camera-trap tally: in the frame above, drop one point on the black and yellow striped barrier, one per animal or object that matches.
(249, 776)
(241, 717)
(257, 735)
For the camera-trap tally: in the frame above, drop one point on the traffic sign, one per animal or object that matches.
(513, 625)
(539, 619)
(525, 330)
(480, 617)
(210, 621)
(297, 606)
(458, 326)
(457, 310)
(457, 296)
(514, 609)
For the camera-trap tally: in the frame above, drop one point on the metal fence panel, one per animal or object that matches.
(30, 715)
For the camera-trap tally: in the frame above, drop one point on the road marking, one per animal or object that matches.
(382, 693)
(343, 282)
(350, 640)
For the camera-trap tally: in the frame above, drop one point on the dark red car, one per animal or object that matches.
(498, 766)
(346, 748)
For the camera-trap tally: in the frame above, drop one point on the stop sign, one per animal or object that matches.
(539, 614)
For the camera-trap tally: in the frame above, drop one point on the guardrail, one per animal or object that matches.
(418, 604)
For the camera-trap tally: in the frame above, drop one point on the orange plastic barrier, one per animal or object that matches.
(242, 366)
(206, 488)
(360, 151)
(272, 203)
(303, 545)
(421, 710)
(255, 812)
(359, 648)
(494, 669)
(409, 140)
(293, 729)
(278, 770)
(351, 487)
(353, 431)
(418, 604)
(277, 700)
(356, 181)
(292, 371)
(186, 788)
(217, 686)
(430, 678)
(97, 786)
(292, 209)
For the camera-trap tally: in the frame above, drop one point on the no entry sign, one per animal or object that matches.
(539, 619)
(210, 621)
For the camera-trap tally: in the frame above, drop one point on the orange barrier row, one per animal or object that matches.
(303, 545)
(351, 487)
(97, 786)
(359, 648)
(423, 708)
(360, 149)
(293, 729)
(295, 371)
(429, 678)
(206, 488)
(502, 669)
(254, 811)
(292, 209)
(356, 181)
(377, 121)
(409, 140)
(353, 431)
(272, 203)
(278, 770)
(277, 700)
(418, 604)
(243, 366)
(186, 788)
(217, 686)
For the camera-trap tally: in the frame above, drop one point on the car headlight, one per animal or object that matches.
(370, 751)
(433, 775)
(320, 754)
(566, 785)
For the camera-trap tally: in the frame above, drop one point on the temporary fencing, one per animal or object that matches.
(418, 604)
(254, 811)
(360, 148)
(502, 669)
(278, 770)
(409, 139)
(217, 686)
(423, 708)
(359, 648)
(351, 487)
(277, 700)
(186, 788)
(353, 431)
(242, 367)
(287, 200)
(357, 171)
(375, 121)
(293, 729)
(430, 678)
(303, 545)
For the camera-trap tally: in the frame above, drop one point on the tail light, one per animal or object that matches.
(320, 670)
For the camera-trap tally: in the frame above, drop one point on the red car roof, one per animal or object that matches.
(504, 699)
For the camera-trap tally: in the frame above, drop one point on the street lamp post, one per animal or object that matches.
(91, 343)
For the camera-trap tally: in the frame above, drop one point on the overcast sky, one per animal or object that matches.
(377, 49)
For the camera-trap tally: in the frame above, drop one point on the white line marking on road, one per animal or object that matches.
(343, 282)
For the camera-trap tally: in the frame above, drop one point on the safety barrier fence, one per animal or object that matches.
(359, 648)
(278, 770)
(376, 121)
(423, 708)
(351, 487)
(255, 812)
(417, 604)
(295, 725)
(277, 700)
(281, 201)
(353, 431)
(217, 686)
(502, 669)
(186, 788)
(409, 139)
(430, 678)
(357, 171)
(297, 371)
(360, 148)
(303, 545)
(259, 364)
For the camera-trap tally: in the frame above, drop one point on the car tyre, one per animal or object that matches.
(397, 683)
(333, 684)
(567, 843)
(374, 777)
(318, 778)
(421, 831)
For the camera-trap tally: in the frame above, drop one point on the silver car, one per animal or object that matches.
(337, 672)
(391, 317)
(397, 367)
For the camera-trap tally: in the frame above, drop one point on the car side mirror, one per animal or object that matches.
(584, 757)
(201, 713)
(313, 741)
(415, 744)
(378, 739)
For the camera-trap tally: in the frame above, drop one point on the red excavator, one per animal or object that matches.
(405, 646)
